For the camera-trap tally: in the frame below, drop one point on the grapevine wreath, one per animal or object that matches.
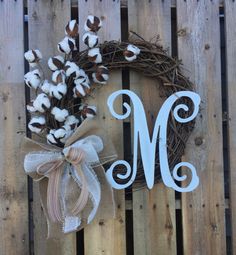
(60, 115)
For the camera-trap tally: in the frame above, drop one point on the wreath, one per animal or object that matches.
(60, 115)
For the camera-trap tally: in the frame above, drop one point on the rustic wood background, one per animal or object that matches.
(201, 33)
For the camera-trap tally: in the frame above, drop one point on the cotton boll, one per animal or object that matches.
(33, 79)
(52, 140)
(88, 111)
(58, 91)
(61, 89)
(101, 75)
(37, 124)
(131, 52)
(45, 87)
(81, 90)
(92, 24)
(59, 114)
(58, 76)
(33, 57)
(72, 70)
(82, 78)
(66, 45)
(56, 63)
(72, 28)
(30, 108)
(72, 122)
(41, 103)
(90, 40)
(94, 55)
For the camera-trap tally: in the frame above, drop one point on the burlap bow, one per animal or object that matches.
(72, 183)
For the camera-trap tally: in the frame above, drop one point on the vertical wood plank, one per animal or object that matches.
(230, 29)
(106, 236)
(13, 181)
(47, 21)
(154, 210)
(199, 48)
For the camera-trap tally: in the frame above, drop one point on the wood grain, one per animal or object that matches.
(153, 210)
(230, 13)
(199, 48)
(47, 20)
(106, 236)
(13, 181)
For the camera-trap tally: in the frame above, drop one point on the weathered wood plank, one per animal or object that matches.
(13, 181)
(47, 20)
(199, 48)
(154, 210)
(230, 14)
(106, 236)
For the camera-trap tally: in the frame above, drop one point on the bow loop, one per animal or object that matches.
(74, 155)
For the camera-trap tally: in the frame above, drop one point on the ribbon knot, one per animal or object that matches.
(75, 155)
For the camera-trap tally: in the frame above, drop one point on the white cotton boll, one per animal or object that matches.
(72, 28)
(131, 52)
(91, 40)
(61, 89)
(93, 24)
(133, 49)
(94, 55)
(50, 137)
(33, 57)
(88, 111)
(71, 122)
(30, 108)
(41, 103)
(37, 124)
(66, 45)
(83, 78)
(45, 87)
(33, 79)
(101, 75)
(58, 76)
(72, 69)
(79, 91)
(56, 63)
(59, 114)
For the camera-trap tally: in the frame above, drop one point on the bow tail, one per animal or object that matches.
(84, 195)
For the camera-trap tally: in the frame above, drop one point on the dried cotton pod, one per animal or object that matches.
(59, 114)
(90, 40)
(33, 79)
(59, 76)
(88, 111)
(94, 55)
(72, 28)
(93, 24)
(131, 52)
(33, 57)
(71, 69)
(66, 45)
(101, 75)
(56, 63)
(37, 124)
(41, 103)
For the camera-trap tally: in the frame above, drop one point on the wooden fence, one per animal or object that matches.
(203, 34)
